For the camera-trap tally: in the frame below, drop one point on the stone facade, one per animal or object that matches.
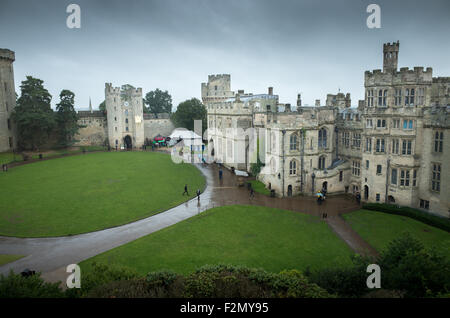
(7, 101)
(394, 147)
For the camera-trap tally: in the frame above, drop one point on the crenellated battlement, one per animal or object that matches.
(6, 54)
(405, 75)
(215, 77)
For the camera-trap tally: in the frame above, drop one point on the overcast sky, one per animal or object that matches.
(310, 46)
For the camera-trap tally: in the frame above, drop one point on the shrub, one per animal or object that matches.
(418, 215)
(16, 286)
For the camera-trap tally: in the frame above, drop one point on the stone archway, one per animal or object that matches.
(325, 185)
(128, 142)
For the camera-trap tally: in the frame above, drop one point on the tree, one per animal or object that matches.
(187, 112)
(157, 102)
(66, 118)
(102, 107)
(33, 115)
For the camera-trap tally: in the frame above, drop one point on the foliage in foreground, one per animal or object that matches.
(16, 286)
(408, 269)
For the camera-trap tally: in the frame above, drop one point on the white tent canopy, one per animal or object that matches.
(183, 133)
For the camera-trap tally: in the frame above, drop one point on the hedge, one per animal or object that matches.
(427, 218)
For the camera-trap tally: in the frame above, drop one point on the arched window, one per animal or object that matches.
(126, 120)
(274, 142)
(293, 142)
(273, 167)
(293, 167)
(322, 138)
(321, 162)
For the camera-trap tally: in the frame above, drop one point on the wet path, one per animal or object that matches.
(51, 255)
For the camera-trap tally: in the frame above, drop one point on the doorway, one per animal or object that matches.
(366, 192)
(289, 192)
(128, 143)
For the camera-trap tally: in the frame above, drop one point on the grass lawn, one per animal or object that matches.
(259, 187)
(7, 258)
(252, 236)
(378, 229)
(90, 192)
(7, 157)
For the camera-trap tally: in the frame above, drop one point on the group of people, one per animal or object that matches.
(321, 196)
(187, 193)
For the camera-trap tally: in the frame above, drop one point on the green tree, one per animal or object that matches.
(157, 102)
(187, 112)
(66, 118)
(102, 107)
(33, 115)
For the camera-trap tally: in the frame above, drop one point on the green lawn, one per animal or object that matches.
(259, 187)
(90, 192)
(7, 157)
(252, 236)
(378, 229)
(7, 258)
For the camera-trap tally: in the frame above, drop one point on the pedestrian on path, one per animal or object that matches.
(252, 193)
(358, 197)
(198, 195)
(185, 190)
(220, 174)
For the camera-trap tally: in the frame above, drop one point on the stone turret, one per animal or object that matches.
(7, 101)
(390, 56)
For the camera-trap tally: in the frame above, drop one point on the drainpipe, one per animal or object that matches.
(284, 132)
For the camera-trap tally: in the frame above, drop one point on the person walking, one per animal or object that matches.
(220, 174)
(198, 195)
(358, 197)
(252, 193)
(185, 190)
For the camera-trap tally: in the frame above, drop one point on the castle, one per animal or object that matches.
(394, 147)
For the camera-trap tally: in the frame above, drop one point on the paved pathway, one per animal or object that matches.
(51, 255)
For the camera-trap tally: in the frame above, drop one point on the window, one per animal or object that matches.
(126, 128)
(414, 182)
(420, 96)
(394, 176)
(398, 97)
(406, 147)
(384, 97)
(346, 139)
(368, 144)
(367, 164)
(322, 163)
(424, 204)
(116, 128)
(404, 178)
(381, 123)
(356, 168)
(293, 167)
(126, 120)
(322, 138)
(380, 145)
(378, 197)
(293, 142)
(438, 141)
(356, 140)
(436, 177)
(9, 124)
(380, 97)
(407, 124)
(274, 142)
(396, 123)
(378, 169)
(340, 176)
(117, 142)
(355, 188)
(395, 146)
(10, 139)
(409, 97)
(370, 98)
(369, 123)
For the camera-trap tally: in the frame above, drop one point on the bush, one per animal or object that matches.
(427, 218)
(407, 269)
(16, 286)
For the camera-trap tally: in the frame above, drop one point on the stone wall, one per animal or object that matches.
(155, 126)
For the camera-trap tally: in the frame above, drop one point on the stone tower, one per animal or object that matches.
(217, 89)
(390, 56)
(7, 100)
(125, 116)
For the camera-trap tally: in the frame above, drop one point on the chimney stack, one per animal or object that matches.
(270, 90)
(287, 107)
(317, 102)
(299, 100)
